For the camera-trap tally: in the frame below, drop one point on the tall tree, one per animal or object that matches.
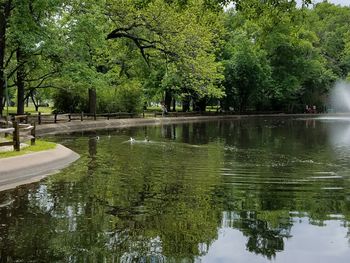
(181, 34)
(298, 68)
(22, 37)
(5, 12)
(247, 74)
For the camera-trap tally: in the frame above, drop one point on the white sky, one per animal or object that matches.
(338, 2)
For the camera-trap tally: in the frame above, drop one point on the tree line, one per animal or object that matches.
(117, 55)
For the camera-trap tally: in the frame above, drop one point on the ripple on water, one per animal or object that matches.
(326, 177)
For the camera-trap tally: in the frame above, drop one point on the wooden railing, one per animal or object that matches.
(21, 132)
(41, 118)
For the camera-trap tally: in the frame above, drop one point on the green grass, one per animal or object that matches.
(38, 147)
(29, 110)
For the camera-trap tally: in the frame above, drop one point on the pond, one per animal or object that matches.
(249, 190)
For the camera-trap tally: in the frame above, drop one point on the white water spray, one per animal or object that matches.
(340, 97)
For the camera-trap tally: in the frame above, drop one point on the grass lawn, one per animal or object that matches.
(29, 109)
(39, 146)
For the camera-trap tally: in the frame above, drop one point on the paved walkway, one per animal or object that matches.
(33, 167)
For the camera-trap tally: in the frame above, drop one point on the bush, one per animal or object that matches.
(127, 97)
(124, 98)
(69, 101)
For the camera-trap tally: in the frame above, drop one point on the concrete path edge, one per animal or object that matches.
(33, 167)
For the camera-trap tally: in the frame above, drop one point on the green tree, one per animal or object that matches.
(5, 13)
(182, 36)
(299, 73)
(25, 32)
(331, 24)
(247, 74)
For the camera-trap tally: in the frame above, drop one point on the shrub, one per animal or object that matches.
(127, 97)
(69, 101)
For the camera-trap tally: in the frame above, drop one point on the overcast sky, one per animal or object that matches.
(338, 2)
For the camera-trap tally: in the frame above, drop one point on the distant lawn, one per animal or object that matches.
(38, 147)
(29, 110)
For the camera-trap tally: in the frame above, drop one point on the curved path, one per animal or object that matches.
(33, 167)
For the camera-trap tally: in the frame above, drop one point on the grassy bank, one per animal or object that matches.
(38, 147)
(29, 110)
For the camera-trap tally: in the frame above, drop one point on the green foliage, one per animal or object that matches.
(259, 55)
(31, 30)
(69, 101)
(247, 74)
(127, 97)
(181, 40)
(290, 43)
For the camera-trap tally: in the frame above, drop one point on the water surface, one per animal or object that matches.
(262, 190)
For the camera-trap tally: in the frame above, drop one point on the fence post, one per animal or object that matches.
(39, 118)
(32, 132)
(82, 116)
(16, 142)
(69, 117)
(55, 120)
(7, 125)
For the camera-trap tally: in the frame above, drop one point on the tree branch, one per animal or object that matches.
(9, 59)
(15, 69)
(115, 34)
(46, 76)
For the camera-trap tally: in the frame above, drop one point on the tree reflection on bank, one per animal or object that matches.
(167, 199)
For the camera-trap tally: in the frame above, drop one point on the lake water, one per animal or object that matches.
(253, 190)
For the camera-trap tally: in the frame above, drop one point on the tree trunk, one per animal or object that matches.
(36, 104)
(20, 81)
(92, 101)
(174, 104)
(186, 101)
(5, 11)
(167, 100)
(200, 104)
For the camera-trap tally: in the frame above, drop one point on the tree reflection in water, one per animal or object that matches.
(166, 200)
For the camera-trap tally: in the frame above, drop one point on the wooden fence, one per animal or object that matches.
(20, 133)
(41, 118)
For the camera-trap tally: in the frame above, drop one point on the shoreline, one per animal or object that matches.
(33, 167)
(78, 126)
